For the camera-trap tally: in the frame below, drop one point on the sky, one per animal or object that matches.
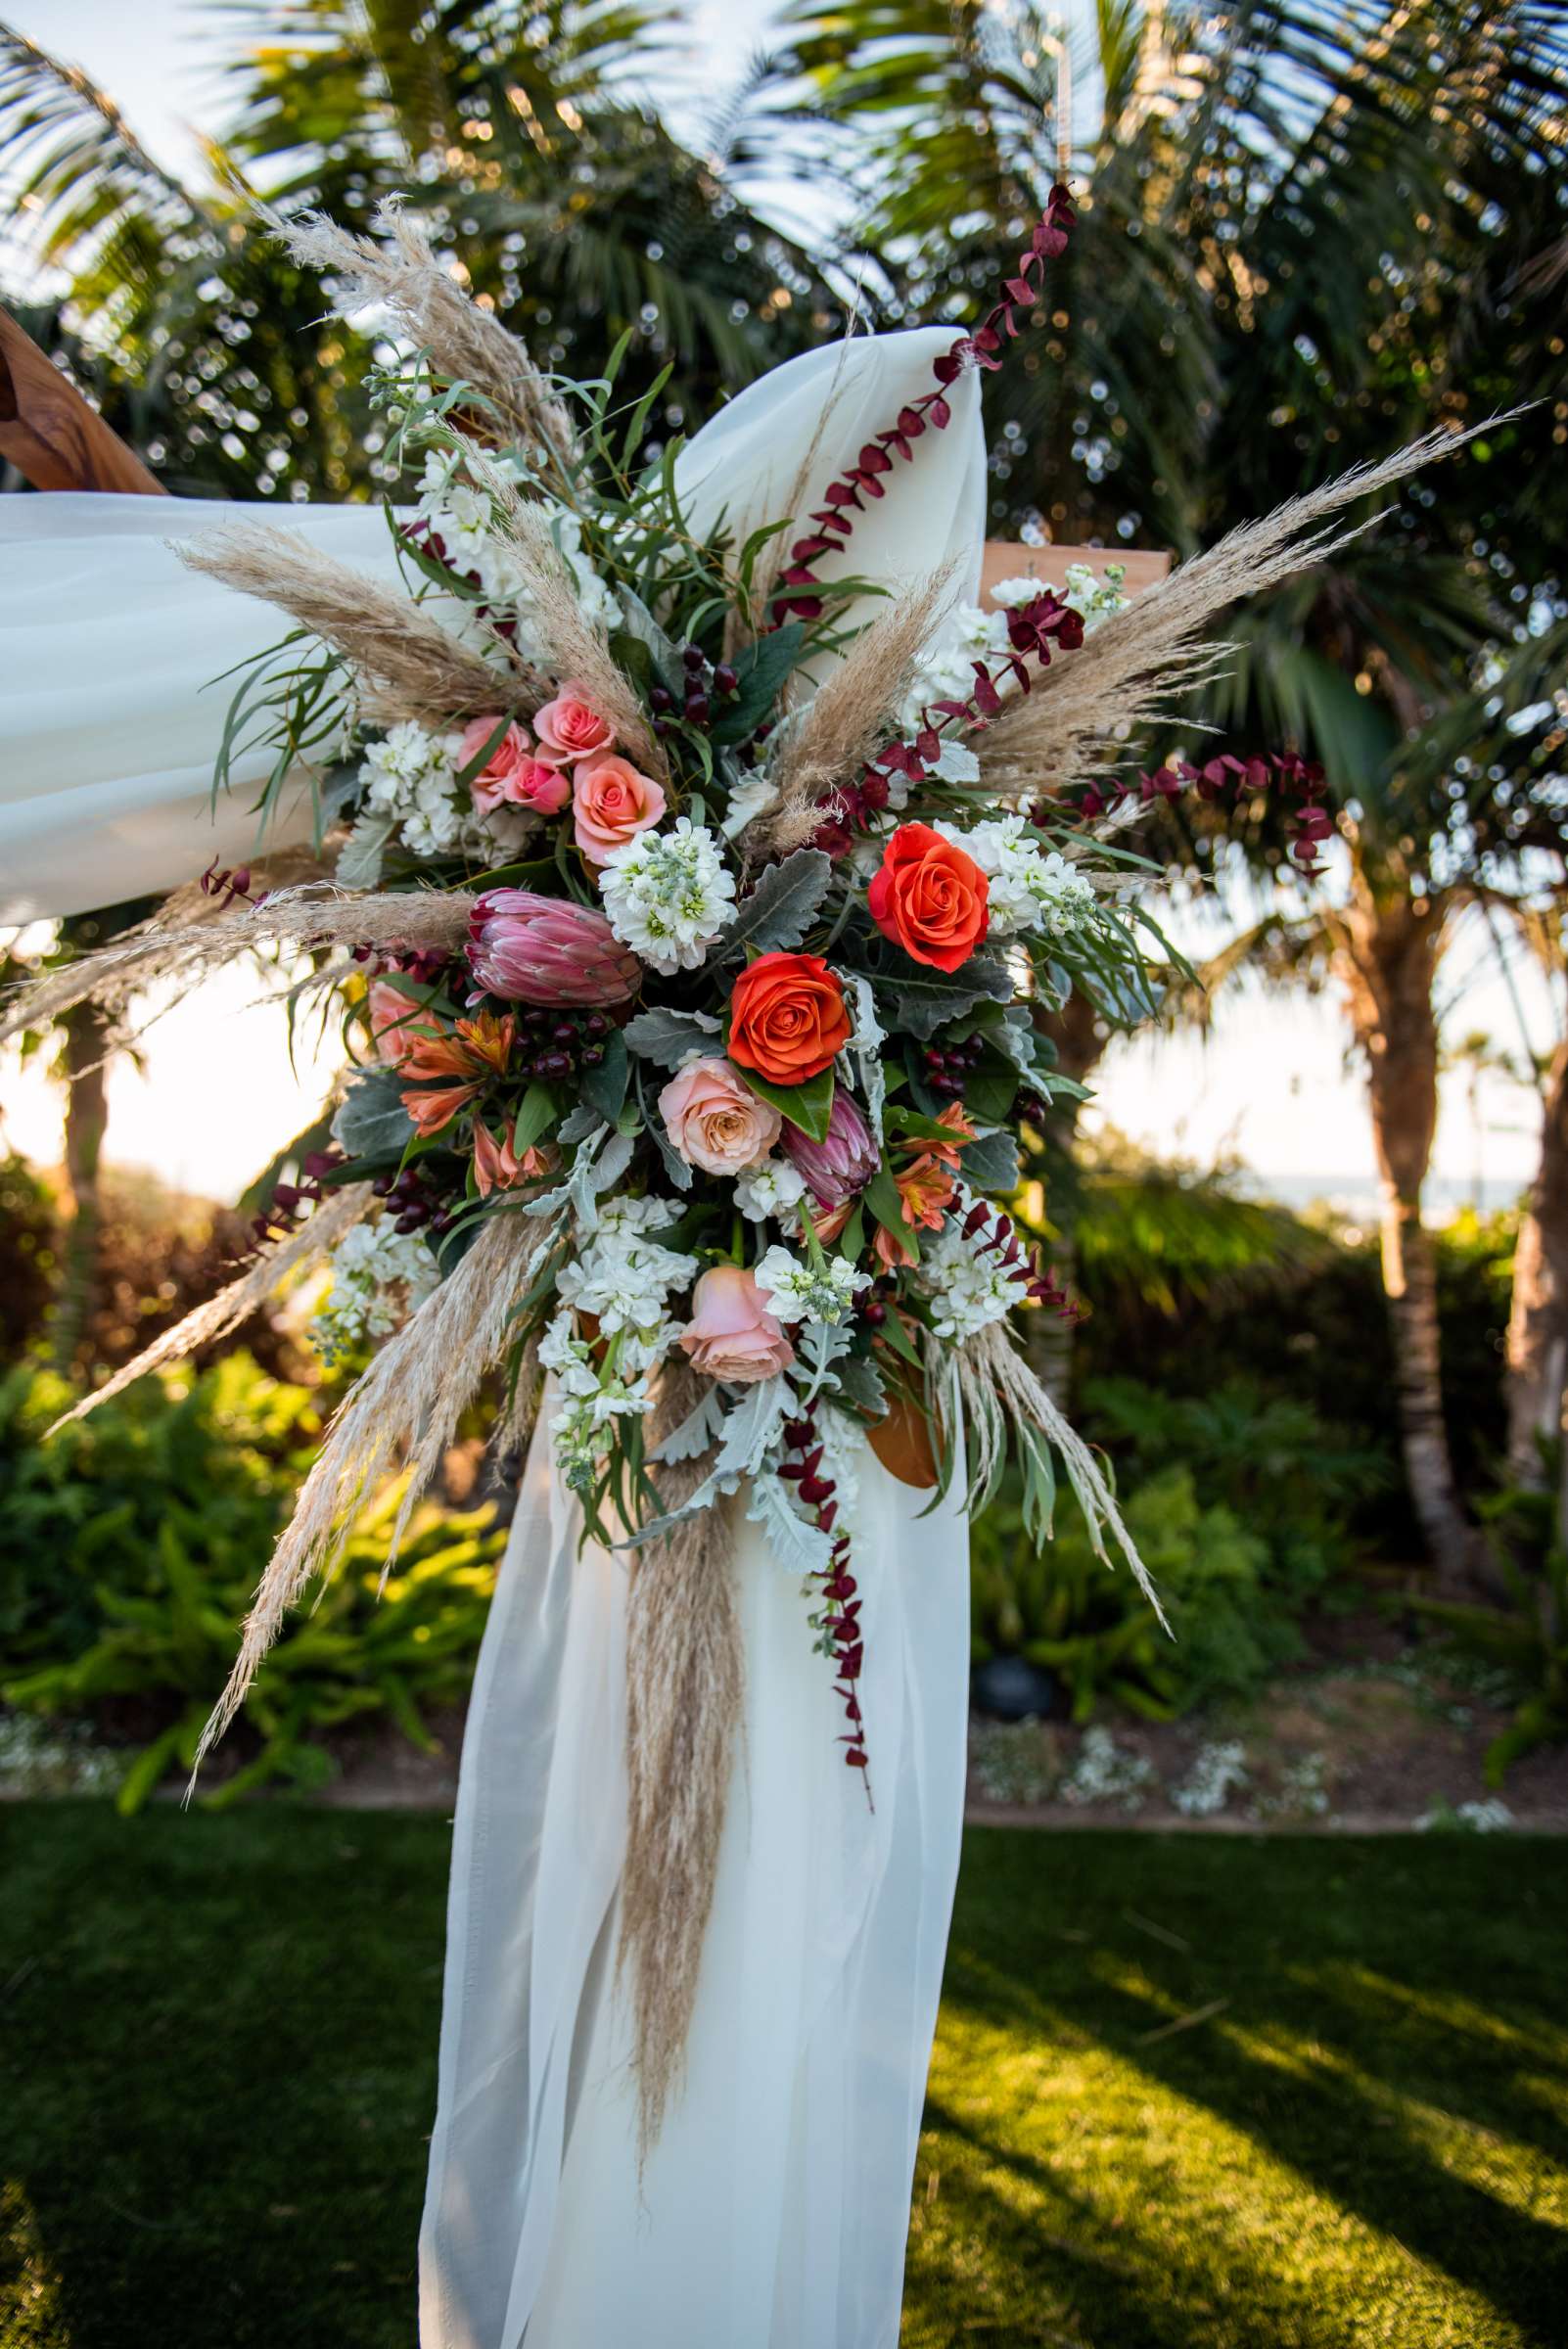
(1270, 1086)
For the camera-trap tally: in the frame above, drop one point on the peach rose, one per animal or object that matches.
(715, 1120)
(570, 727)
(787, 1019)
(612, 802)
(511, 776)
(731, 1334)
(930, 897)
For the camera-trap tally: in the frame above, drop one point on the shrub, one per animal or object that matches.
(137, 1538)
(1087, 1621)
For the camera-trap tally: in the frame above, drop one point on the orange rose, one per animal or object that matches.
(787, 1017)
(929, 898)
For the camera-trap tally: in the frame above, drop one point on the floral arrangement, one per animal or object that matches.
(693, 921)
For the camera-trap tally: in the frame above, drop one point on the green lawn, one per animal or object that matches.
(1188, 2089)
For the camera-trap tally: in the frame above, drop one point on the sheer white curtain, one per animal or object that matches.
(772, 2212)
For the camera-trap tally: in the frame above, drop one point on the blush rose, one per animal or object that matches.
(787, 1017)
(611, 804)
(511, 776)
(731, 1334)
(930, 897)
(570, 727)
(715, 1120)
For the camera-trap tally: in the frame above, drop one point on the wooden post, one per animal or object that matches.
(1008, 559)
(50, 434)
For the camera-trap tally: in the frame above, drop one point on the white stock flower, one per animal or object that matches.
(411, 776)
(1031, 888)
(968, 1290)
(624, 1279)
(668, 895)
(799, 1291)
(770, 1189)
(380, 1275)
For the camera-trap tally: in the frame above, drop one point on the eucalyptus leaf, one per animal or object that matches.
(781, 908)
(371, 1121)
(927, 999)
(359, 860)
(668, 1038)
(991, 1163)
(861, 1382)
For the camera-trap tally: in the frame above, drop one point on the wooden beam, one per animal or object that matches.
(1008, 559)
(50, 434)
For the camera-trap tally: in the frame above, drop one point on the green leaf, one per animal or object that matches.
(807, 1106)
(536, 1116)
(927, 999)
(991, 1162)
(371, 1118)
(881, 1196)
(605, 1087)
(761, 670)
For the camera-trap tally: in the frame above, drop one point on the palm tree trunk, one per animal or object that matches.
(86, 1117)
(1387, 951)
(1538, 1316)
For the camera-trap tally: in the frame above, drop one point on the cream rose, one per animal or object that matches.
(731, 1334)
(715, 1121)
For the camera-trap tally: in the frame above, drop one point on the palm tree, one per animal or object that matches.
(1308, 233)
(531, 141)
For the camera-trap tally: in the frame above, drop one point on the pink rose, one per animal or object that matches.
(611, 805)
(570, 727)
(511, 776)
(731, 1334)
(715, 1121)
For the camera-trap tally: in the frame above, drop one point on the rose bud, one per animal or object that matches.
(534, 950)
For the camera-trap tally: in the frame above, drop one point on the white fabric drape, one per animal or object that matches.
(773, 2211)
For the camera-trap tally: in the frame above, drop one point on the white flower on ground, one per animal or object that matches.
(669, 895)
(1032, 887)
(799, 1291)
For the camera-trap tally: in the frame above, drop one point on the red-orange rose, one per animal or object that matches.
(929, 898)
(787, 1017)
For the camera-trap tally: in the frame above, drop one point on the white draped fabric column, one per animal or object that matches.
(773, 2209)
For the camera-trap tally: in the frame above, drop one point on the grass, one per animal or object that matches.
(1285, 2094)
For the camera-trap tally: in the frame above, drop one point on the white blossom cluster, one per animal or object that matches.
(801, 1291)
(668, 895)
(1031, 888)
(969, 1290)
(379, 1276)
(770, 1189)
(946, 670)
(412, 777)
(463, 517)
(623, 1279)
(592, 1394)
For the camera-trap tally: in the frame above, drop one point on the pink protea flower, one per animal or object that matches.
(536, 950)
(841, 1163)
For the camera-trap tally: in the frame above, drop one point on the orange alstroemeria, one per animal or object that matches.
(925, 1193)
(498, 1165)
(959, 1123)
(474, 1051)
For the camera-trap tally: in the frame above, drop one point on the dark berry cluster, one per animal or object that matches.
(556, 1040)
(414, 1198)
(427, 966)
(705, 686)
(873, 1306)
(290, 1200)
(947, 1065)
(838, 1624)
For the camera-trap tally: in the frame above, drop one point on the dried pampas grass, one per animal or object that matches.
(336, 1214)
(575, 648)
(685, 1684)
(1137, 665)
(406, 664)
(466, 343)
(851, 715)
(996, 1389)
(412, 1396)
(314, 914)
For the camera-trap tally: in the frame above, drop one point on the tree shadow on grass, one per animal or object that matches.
(1378, 2042)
